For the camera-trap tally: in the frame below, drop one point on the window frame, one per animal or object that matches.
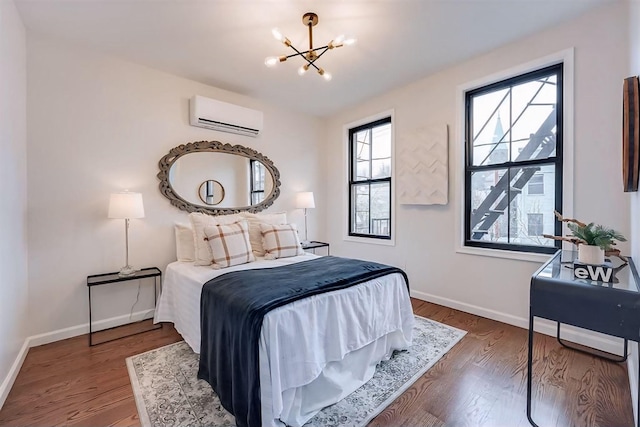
(351, 131)
(506, 82)
(252, 182)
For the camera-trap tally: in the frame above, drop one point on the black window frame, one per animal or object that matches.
(352, 182)
(556, 161)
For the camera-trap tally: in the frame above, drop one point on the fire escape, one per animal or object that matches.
(541, 145)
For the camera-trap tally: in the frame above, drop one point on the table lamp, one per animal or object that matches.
(304, 200)
(126, 205)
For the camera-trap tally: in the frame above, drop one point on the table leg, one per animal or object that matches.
(90, 330)
(611, 359)
(530, 371)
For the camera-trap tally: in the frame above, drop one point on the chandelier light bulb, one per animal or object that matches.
(303, 69)
(277, 35)
(271, 61)
(350, 41)
(327, 76)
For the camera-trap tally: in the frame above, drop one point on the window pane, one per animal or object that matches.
(492, 192)
(371, 210)
(490, 136)
(362, 155)
(505, 120)
(380, 209)
(360, 208)
(484, 225)
(381, 152)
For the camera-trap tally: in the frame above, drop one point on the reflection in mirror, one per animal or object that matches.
(216, 178)
(211, 192)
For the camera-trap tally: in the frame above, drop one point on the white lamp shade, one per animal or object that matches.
(126, 205)
(304, 200)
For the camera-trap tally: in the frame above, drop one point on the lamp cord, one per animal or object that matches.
(134, 304)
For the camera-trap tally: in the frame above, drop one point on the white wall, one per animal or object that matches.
(425, 246)
(634, 70)
(99, 124)
(13, 175)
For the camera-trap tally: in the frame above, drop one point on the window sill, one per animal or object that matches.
(382, 242)
(500, 253)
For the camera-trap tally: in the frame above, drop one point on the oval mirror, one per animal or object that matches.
(216, 178)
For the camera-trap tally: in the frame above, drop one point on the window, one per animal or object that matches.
(513, 131)
(536, 184)
(257, 182)
(534, 224)
(370, 180)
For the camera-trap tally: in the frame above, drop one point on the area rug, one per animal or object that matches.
(168, 393)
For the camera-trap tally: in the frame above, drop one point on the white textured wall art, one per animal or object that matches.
(423, 166)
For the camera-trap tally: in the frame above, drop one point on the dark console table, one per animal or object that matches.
(609, 308)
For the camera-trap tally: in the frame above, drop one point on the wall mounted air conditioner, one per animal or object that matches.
(224, 117)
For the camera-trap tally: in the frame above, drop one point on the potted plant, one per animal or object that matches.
(593, 240)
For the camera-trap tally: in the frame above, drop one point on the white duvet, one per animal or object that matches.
(314, 351)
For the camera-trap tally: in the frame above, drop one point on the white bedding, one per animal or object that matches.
(314, 351)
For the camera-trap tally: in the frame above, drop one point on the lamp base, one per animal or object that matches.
(127, 271)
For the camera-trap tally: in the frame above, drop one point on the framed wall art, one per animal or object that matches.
(630, 133)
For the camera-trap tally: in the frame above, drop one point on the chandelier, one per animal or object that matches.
(310, 56)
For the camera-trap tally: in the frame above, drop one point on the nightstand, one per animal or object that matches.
(313, 245)
(111, 278)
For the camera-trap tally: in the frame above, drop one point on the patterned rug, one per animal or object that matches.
(168, 393)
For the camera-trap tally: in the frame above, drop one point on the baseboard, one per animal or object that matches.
(569, 333)
(632, 369)
(74, 331)
(6, 385)
(61, 334)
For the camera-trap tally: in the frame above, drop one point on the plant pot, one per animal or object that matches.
(590, 254)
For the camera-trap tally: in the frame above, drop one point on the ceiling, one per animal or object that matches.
(223, 43)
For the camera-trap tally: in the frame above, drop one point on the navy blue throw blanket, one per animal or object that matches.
(232, 307)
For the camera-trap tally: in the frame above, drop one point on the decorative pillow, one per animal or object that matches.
(185, 248)
(255, 235)
(199, 221)
(280, 241)
(229, 244)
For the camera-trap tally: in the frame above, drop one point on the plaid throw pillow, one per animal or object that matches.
(280, 241)
(229, 244)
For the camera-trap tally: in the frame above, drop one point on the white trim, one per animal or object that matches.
(345, 179)
(74, 331)
(5, 388)
(569, 333)
(58, 335)
(567, 58)
(632, 370)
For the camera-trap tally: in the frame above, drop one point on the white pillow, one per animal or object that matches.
(199, 221)
(255, 220)
(229, 244)
(185, 248)
(280, 241)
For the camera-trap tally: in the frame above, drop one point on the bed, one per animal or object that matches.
(338, 337)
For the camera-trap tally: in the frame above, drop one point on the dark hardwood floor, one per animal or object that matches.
(480, 382)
